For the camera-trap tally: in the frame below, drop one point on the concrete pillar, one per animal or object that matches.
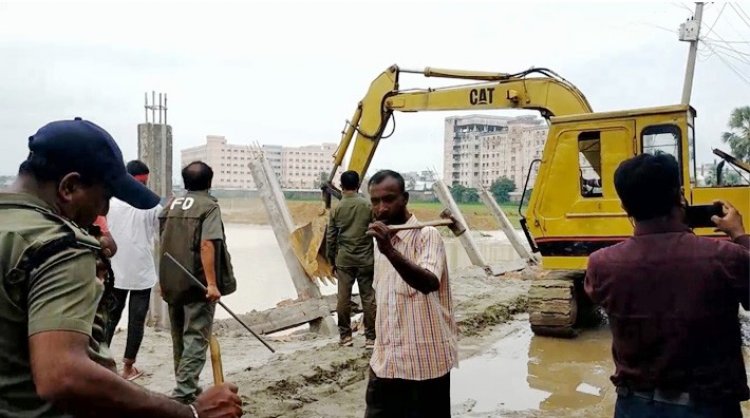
(505, 225)
(444, 195)
(155, 149)
(282, 225)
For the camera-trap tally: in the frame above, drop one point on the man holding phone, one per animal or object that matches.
(672, 299)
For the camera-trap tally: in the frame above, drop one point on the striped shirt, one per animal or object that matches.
(416, 333)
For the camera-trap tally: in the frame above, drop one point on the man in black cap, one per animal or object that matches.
(49, 356)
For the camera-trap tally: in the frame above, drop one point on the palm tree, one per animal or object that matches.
(738, 137)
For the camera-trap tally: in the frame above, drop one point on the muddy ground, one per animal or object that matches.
(311, 376)
(504, 371)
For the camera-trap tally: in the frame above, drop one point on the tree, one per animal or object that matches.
(463, 194)
(471, 195)
(457, 191)
(729, 177)
(501, 189)
(738, 136)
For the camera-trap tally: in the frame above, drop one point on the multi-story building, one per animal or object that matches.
(479, 149)
(306, 167)
(230, 161)
(295, 167)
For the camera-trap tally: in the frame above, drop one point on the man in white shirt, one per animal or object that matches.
(135, 232)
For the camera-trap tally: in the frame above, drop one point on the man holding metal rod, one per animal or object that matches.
(193, 234)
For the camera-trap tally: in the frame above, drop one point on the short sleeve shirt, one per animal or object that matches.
(59, 294)
(212, 228)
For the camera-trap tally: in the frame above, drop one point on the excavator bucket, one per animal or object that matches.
(308, 244)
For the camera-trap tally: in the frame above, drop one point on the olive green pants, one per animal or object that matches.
(191, 330)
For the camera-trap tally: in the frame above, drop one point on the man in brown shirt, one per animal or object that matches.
(672, 299)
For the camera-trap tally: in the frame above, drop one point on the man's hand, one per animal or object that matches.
(212, 293)
(731, 222)
(382, 235)
(219, 402)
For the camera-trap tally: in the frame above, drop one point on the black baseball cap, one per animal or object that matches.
(85, 146)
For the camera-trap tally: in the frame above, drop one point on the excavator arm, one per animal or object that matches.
(535, 89)
(548, 93)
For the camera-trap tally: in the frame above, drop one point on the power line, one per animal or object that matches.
(728, 42)
(742, 15)
(743, 11)
(728, 64)
(740, 59)
(728, 47)
(740, 53)
(716, 20)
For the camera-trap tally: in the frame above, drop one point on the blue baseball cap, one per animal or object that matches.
(86, 147)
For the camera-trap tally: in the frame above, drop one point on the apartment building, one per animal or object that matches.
(478, 149)
(230, 161)
(295, 167)
(305, 167)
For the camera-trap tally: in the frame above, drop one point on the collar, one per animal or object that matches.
(349, 195)
(26, 198)
(660, 226)
(401, 235)
(204, 193)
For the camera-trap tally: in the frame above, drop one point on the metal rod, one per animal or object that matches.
(165, 109)
(160, 108)
(153, 106)
(145, 104)
(198, 282)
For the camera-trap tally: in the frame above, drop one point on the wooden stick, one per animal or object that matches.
(216, 366)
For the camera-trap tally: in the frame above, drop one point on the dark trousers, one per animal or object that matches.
(631, 406)
(399, 398)
(137, 310)
(346, 277)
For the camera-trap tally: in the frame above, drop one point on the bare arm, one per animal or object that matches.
(64, 375)
(414, 275)
(208, 260)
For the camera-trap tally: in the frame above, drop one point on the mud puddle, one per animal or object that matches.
(521, 375)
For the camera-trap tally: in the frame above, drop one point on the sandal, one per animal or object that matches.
(135, 375)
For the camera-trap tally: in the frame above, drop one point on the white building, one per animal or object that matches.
(478, 149)
(295, 167)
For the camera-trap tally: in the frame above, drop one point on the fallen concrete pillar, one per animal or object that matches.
(467, 240)
(281, 222)
(505, 225)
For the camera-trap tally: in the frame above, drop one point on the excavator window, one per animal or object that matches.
(660, 139)
(590, 163)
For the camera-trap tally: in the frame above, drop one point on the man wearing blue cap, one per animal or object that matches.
(49, 357)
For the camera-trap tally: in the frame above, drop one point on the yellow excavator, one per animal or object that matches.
(573, 208)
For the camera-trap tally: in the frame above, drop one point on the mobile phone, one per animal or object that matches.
(699, 216)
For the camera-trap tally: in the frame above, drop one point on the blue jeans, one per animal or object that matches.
(634, 407)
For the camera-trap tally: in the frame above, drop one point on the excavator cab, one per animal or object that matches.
(574, 209)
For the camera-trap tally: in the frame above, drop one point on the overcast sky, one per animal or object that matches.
(290, 73)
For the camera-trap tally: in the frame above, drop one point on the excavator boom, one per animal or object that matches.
(548, 93)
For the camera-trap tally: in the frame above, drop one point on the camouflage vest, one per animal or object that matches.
(33, 256)
(181, 223)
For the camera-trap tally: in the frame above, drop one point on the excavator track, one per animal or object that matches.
(554, 301)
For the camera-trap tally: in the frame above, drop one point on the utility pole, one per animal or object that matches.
(690, 32)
